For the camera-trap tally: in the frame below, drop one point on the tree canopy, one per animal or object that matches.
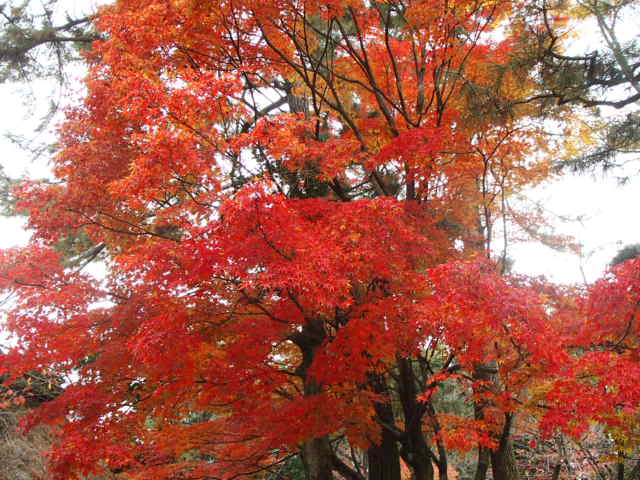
(303, 209)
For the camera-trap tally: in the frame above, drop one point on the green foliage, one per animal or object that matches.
(40, 46)
(31, 389)
(77, 249)
(608, 77)
(32, 33)
(628, 252)
(291, 469)
(618, 145)
(7, 201)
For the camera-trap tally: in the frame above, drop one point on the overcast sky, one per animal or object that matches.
(608, 213)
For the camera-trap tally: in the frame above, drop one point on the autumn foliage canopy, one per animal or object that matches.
(301, 209)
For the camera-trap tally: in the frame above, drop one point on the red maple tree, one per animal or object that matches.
(295, 203)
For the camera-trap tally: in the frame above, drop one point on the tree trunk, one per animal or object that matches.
(384, 459)
(415, 451)
(482, 372)
(422, 466)
(316, 458)
(503, 460)
(316, 453)
(442, 461)
(484, 460)
(417, 455)
(503, 463)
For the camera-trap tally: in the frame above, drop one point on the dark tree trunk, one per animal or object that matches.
(316, 458)
(421, 465)
(415, 451)
(417, 455)
(442, 461)
(484, 460)
(485, 373)
(503, 460)
(384, 459)
(316, 453)
(503, 463)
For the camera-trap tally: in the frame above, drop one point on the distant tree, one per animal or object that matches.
(606, 77)
(37, 40)
(628, 252)
(590, 77)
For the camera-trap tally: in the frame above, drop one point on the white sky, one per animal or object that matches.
(608, 212)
